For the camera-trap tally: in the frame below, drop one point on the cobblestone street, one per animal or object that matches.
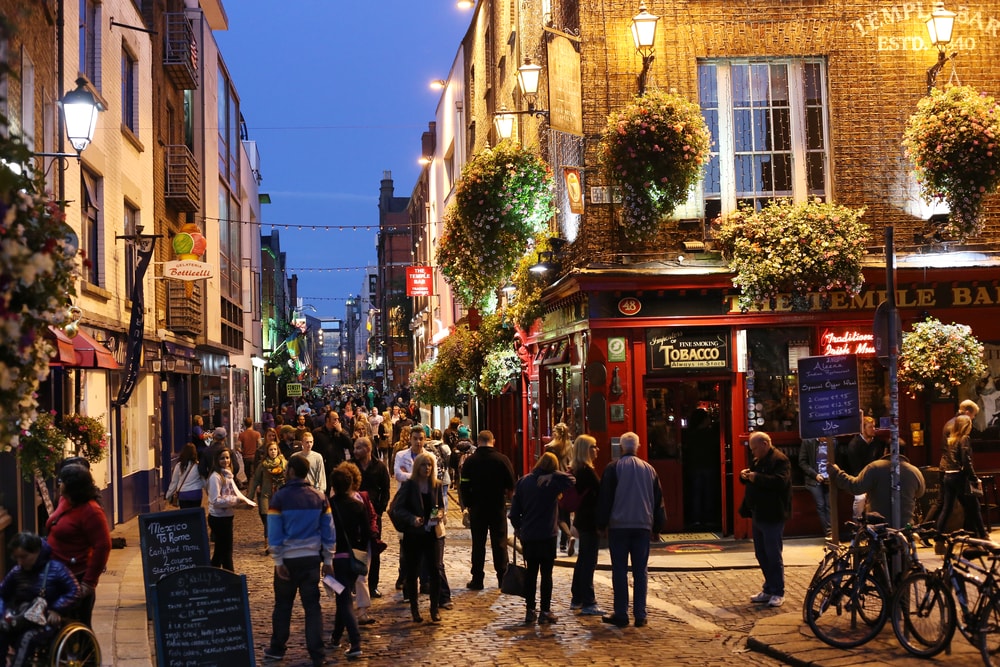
(696, 618)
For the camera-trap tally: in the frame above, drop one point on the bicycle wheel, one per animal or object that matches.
(75, 646)
(923, 615)
(989, 632)
(833, 559)
(845, 610)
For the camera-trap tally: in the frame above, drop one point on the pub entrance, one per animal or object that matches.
(689, 435)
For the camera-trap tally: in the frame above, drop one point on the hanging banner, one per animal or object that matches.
(133, 353)
(419, 280)
(574, 189)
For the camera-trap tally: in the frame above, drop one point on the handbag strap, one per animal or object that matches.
(513, 545)
(347, 537)
(180, 485)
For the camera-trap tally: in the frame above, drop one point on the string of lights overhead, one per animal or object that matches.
(326, 228)
(330, 269)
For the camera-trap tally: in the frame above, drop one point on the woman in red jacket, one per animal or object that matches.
(78, 533)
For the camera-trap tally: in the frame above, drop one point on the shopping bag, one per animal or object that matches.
(515, 578)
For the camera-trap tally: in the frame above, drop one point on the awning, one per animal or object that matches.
(91, 354)
(65, 354)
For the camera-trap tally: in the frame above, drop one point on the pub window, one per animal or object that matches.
(772, 389)
(769, 126)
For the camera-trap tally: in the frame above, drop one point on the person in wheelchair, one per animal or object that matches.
(24, 626)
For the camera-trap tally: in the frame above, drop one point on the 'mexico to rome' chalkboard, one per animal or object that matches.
(828, 396)
(171, 541)
(202, 619)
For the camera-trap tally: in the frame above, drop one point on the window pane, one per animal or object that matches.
(761, 130)
(740, 75)
(816, 173)
(779, 85)
(713, 177)
(813, 89)
(742, 130)
(814, 128)
(760, 84)
(744, 174)
(708, 87)
(711, 117)
(781, 130)
(781, 174)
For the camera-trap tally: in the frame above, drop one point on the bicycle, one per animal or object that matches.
(849, 604)
(924, 614)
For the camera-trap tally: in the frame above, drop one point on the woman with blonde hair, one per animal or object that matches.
(562, 446)
(534, 515)
(588, 483)
(417, 511)
(956, 468)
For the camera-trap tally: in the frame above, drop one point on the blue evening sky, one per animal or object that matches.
(335, 92)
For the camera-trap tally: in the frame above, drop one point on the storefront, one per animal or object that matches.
(673, 359)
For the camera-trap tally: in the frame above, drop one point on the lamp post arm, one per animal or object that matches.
(935, 69)
(647, 62)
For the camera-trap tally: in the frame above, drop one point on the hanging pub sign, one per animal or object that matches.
(687, 350)
(419, 280)
(833, 342)
(828, 396)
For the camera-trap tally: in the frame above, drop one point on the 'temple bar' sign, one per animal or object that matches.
(419, 280)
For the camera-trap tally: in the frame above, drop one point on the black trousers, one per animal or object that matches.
(493, 521)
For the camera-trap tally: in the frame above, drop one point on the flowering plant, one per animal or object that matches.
(37, 262)
(796, 248)
(502, 200)
(952, 141)
(938, 357)
(40, 447)
(88, 435)
(655, 148)
(501, 367)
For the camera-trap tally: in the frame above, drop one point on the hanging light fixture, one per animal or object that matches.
(80, 109)
(644, 37)
(939, 29)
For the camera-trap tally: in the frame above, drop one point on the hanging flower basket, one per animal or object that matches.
(935, 358)
(502, 200)
(952, 141)
(40, 448)
(36, 280)
(89, 437)
(655, 149)
(502, 366)
(793, 248)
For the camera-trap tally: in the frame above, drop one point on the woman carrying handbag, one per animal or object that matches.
(186, 485)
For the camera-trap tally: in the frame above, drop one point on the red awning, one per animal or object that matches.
(91, 354)
(65, 355)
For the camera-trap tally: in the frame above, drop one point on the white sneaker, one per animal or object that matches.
(761, 597)
(776, 601)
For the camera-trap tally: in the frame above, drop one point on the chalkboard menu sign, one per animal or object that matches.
(828, 396)
(171, 541)
(202, 619)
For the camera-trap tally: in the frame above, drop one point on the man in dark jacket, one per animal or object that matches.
(332, 442)
(768, 501)
(207, 456)
(374, 480)
(486, 484)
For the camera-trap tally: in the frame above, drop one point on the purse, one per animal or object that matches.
(174, 497)
(37, 611)
(357, 559)
(515, 577)
(975, 487)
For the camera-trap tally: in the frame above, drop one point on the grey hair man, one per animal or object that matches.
(629, 511)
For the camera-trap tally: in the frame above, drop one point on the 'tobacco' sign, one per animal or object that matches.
(419, 280)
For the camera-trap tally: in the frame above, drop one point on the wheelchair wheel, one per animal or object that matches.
(75, 646)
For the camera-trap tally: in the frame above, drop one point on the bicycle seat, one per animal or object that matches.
(977, 548)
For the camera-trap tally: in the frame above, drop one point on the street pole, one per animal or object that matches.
(893, 335)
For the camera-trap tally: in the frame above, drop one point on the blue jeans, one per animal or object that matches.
(539, 556)
(767, 546)
(626, 543)
(821, 494)
(583, 572)
(304, 580)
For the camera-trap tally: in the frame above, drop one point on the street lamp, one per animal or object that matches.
(644, 36)
(528, 77)
(80, 109)
(939, 27)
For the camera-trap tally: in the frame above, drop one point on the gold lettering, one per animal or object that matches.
(838, 300)
(961, 296)
(904, 299)
(784, 303)
(925, 297)
(863, 301)
(983, 297)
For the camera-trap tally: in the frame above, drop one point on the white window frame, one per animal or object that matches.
(726, 148)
